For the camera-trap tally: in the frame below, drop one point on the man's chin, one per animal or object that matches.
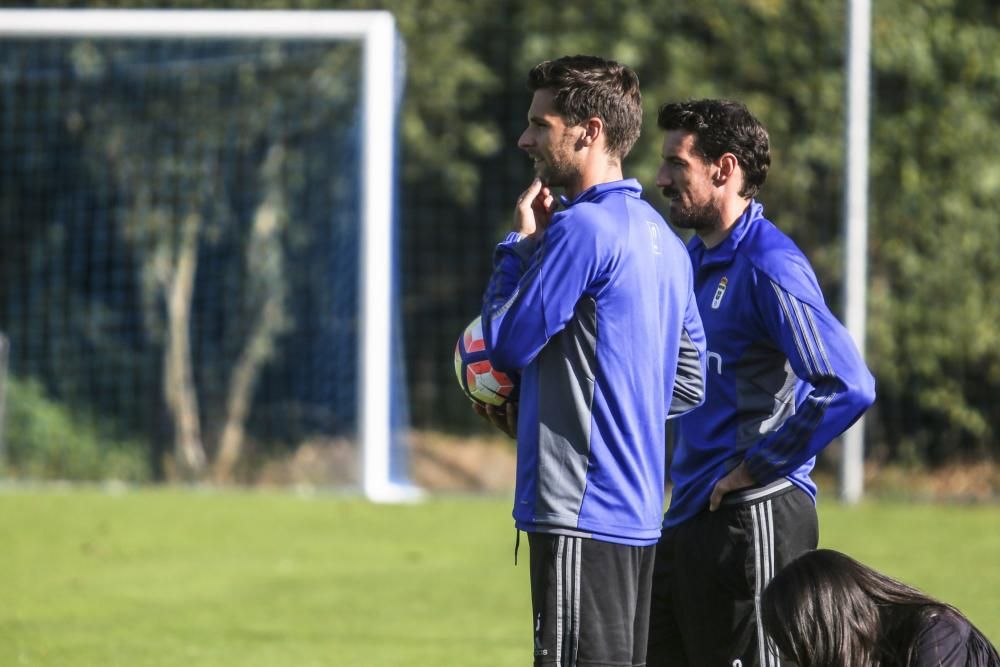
(554, 178)
(678, 219)
(682, 221)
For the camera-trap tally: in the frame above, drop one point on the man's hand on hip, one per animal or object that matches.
(736, 479)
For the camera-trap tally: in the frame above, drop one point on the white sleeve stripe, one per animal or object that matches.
(780, 293)
(819, 341)
(502, 310)
(807, 420)
(803, 330)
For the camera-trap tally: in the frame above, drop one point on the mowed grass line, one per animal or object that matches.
(176, 577)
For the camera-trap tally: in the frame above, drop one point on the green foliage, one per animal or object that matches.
(935, 176)
(163, 578)
(935, 267)
(933, 342)
(447, 129)
(44, 439)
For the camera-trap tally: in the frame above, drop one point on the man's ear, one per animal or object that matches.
(593, 129)
(727, 167)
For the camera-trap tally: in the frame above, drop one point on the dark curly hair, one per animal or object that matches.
(719, 127)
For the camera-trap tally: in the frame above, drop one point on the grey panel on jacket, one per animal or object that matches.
(765, 392)
(689, 383)
(566, 371)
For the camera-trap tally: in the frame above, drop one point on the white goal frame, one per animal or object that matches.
(376, 30)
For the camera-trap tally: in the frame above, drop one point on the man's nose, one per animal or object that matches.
(663, 178)
(525, 141)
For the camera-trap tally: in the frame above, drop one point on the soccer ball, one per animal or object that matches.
(476, 376)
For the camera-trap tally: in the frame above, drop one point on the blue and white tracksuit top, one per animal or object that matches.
(784, 376)
(599, 317)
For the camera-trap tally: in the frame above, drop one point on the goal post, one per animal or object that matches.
(857, 77)
(381, 82)
(3, 395)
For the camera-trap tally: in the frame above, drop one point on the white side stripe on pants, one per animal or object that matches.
(763, 533)
(560, 544)
(576, 599)
(568, 555)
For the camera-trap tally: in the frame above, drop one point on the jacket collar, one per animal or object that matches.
(725, 251)
(628, 186)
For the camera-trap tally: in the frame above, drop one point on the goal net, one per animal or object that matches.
(199, 233)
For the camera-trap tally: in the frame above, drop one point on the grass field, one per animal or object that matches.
(172, 577)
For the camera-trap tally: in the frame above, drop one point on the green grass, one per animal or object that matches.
(172, 577)
(949, 551)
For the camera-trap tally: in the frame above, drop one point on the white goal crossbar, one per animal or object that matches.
(376, 31)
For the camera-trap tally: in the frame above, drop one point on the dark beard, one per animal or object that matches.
(556, 175)
(558, 171)
(704, 218)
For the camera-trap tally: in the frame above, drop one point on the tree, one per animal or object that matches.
(181, 203)
(932, 339)
(936, 185)
(935, 180)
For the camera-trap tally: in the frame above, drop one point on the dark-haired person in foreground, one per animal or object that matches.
(784, 379)
(825, 609)
(591, 299)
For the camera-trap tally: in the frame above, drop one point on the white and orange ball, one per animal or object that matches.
(476, 376)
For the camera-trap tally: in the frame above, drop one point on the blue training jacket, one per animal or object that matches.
(599, 317)
(784, 376)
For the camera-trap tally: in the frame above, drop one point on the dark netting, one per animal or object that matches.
(179, 229)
